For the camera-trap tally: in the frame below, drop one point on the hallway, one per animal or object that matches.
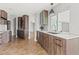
(22, 47)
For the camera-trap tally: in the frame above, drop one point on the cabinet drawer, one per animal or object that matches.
(58, 42)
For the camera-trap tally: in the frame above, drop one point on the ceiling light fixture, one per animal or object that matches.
(51, 11)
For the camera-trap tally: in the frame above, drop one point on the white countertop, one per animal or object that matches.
(1, 32)
(65, 35)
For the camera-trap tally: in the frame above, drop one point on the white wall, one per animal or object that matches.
(74, 25)
(74, 15)
(31, 20)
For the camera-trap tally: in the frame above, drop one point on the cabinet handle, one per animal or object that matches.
(58, 39)
(58, 45)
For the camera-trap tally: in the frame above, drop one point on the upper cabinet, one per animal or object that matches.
(19, 22)
(3, 14)
(23, 27)
(44, 17)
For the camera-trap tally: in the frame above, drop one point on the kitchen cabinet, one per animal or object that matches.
(4, 37)
(59, 46)
(23, 27)
(43, 40)
(3, 22)
(3, 14)
(19, 22)
(0, 39)
(20, 33)
(46, 42)
(39, 38)
(52, 44)
(8, 25)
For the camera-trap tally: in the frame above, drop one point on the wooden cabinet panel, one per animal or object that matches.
(20, 34)
(0, 38)
(53, 45)
(19, 22)
(43, 39)
(23, 27)
(3, 14)
(39, 38)
(46, 42)
(3, 22)
(59, 46)
(8, 25)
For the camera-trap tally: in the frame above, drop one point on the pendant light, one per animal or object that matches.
(51, 11)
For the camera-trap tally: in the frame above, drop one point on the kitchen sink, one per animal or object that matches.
(54, 32)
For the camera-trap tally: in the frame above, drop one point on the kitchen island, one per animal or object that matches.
(62, 43)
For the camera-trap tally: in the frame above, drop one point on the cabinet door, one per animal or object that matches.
(51, 45)
(0, 38)
(59, 46)
(3, 14)
(39, 37)
(46, 42)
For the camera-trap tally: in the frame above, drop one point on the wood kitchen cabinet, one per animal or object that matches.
(39, 38)
(23, 27)
(59, 46)
(20, 33)
(3, 22)
(43, 40)
(46, 42)
(8, 25)
(53, 45)
(3, 14)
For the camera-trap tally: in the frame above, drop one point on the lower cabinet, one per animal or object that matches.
(45, 41)
(20, 34)
(59, 45)
(4, 37)
(53, 45)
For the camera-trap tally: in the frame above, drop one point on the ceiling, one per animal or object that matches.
(18, 9)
